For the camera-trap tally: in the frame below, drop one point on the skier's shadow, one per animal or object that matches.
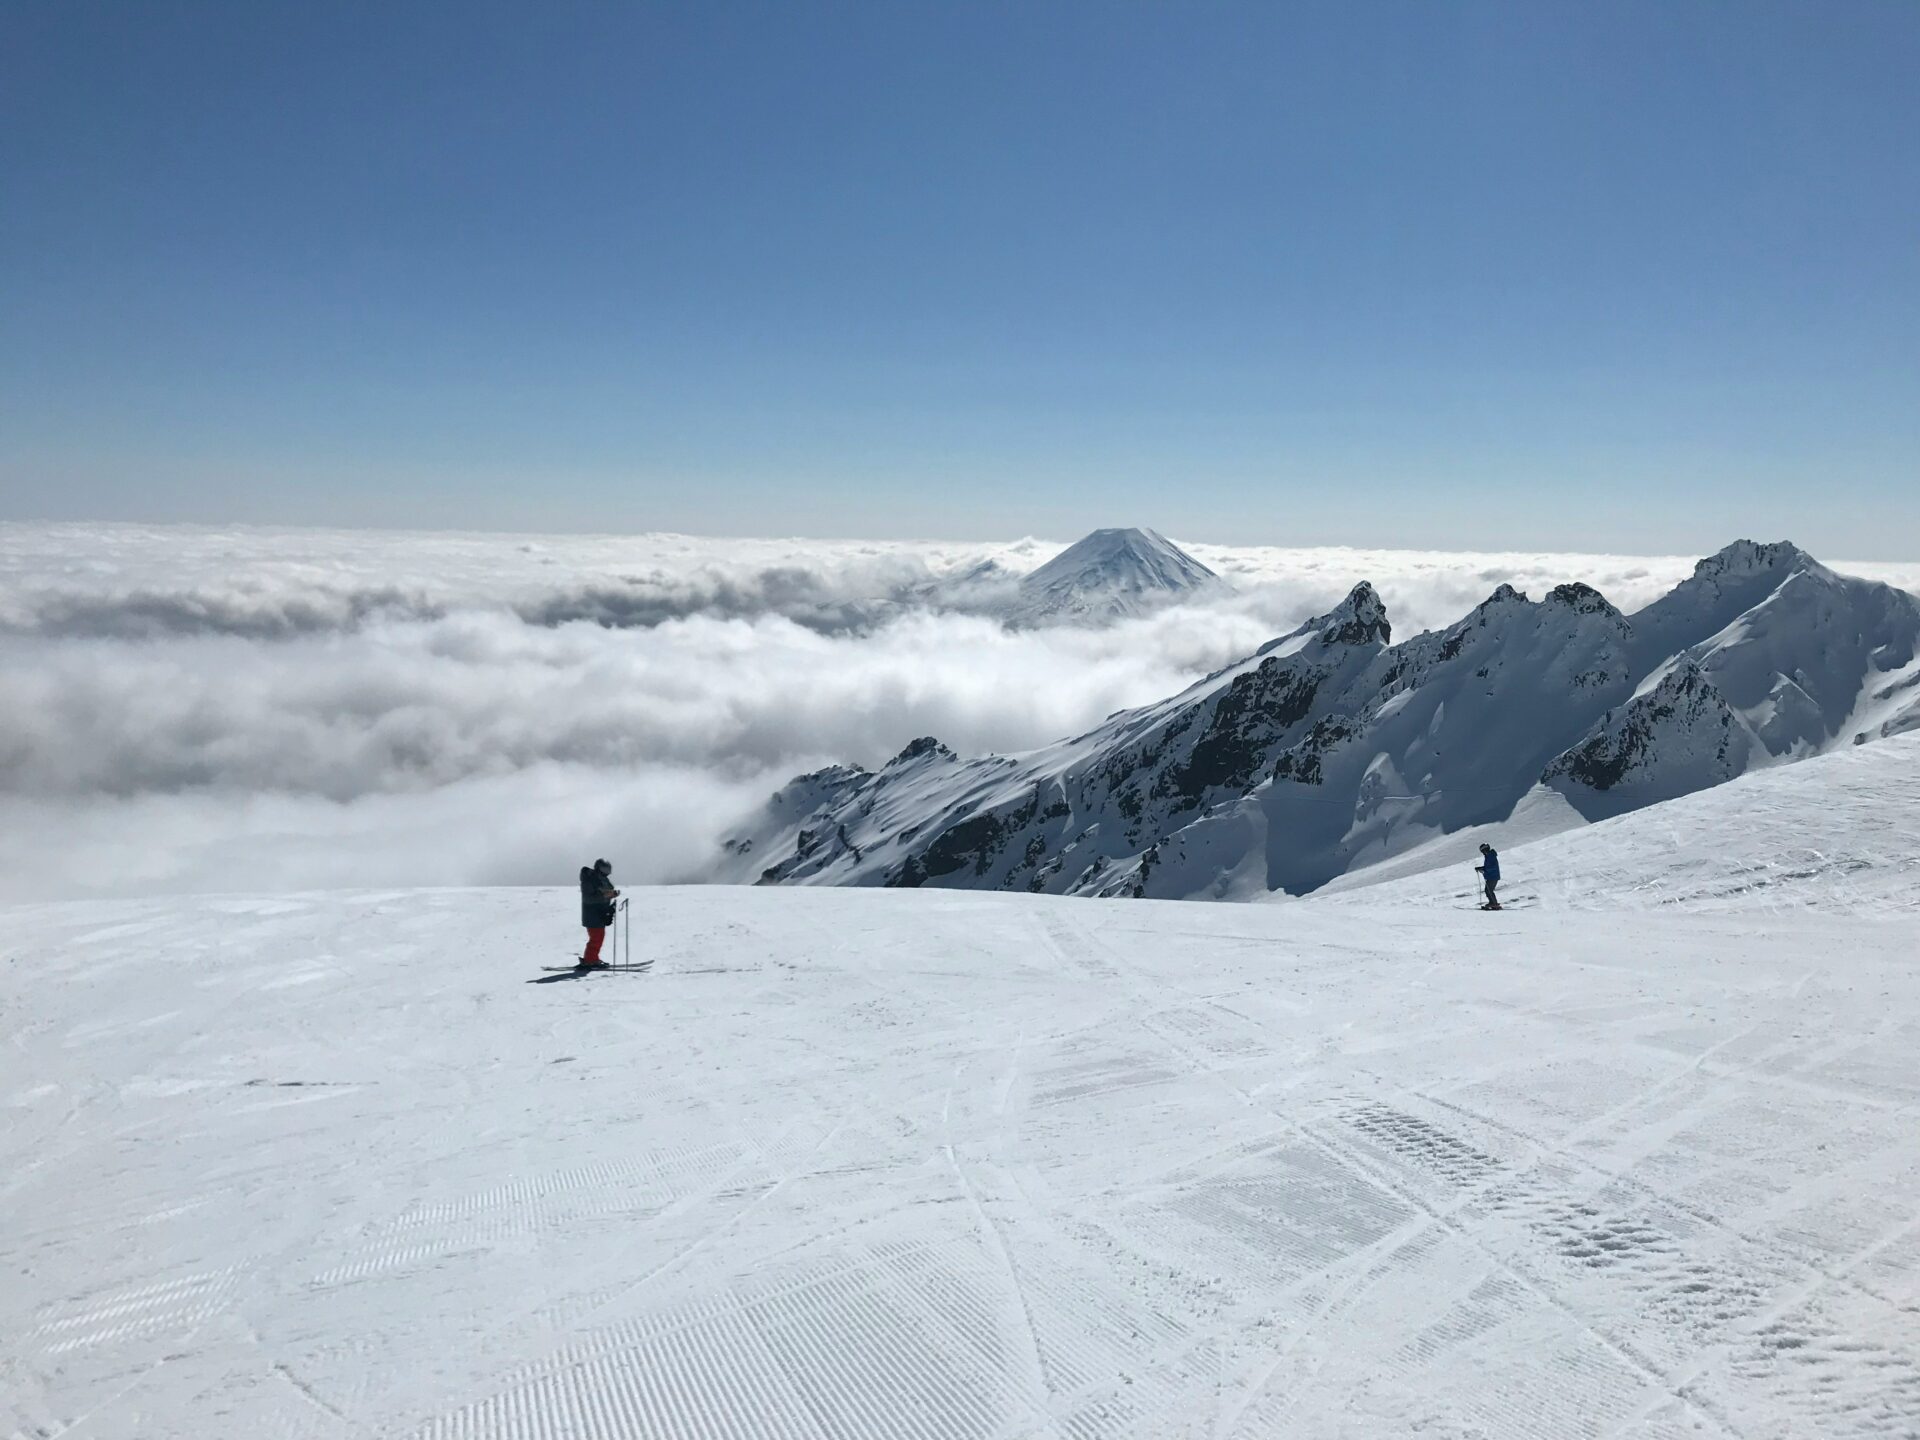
(581, 974)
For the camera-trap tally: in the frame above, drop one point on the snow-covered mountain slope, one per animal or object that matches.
(1764, 654)
(1024, 822)
(881, 1164)
(1110, 575)
(1331, 750)
(1839, 834)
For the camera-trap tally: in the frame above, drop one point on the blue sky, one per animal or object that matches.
(1632, 276)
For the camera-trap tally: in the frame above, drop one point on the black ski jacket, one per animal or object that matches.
(596, 898)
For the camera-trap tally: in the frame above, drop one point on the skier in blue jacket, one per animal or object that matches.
(1489, 870)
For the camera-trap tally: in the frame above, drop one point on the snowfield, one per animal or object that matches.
(1636, 1158)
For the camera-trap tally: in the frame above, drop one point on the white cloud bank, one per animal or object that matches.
(185, 708)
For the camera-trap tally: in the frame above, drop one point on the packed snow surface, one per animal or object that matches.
(892, 1164)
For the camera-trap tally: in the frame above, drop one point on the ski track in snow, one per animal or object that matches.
(859, 1163)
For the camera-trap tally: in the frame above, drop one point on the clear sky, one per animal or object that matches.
(1637, 276)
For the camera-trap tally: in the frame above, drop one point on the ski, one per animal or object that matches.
(594, 969)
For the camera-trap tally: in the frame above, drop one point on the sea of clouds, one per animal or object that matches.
(199, 709)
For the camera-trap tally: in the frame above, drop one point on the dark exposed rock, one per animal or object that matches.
(1581, 597)
(1256, 708)
(977, 840)
(1149, 858)
(1301, 762)
(969, 842)
(1625, 740)
(1601, 762)
(923, 748)
(1360, 619)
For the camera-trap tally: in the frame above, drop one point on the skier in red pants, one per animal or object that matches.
(596, 908)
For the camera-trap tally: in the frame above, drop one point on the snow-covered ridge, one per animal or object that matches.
(1330, 749)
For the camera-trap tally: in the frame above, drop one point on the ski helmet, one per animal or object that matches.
(605, 867)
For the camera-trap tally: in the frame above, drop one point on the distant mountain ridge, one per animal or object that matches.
(1331, 748)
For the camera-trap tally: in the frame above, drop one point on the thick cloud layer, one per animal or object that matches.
(200, 709)
(129, 582)
(409, 706)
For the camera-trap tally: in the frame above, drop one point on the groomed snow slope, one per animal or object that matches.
(896, 1164)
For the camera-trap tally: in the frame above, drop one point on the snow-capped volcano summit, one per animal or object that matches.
(1331, 749)
(1108, 575)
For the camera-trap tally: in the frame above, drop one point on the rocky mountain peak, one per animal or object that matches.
(925, 748)
(1685, 676)
(1360, 619)
(1581, 598)
(1751, 557)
